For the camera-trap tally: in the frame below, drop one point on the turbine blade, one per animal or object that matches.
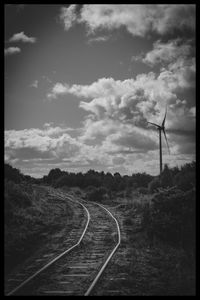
(154, 124)
(163, 123)
(166, 140)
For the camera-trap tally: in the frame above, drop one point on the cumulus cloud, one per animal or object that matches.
(180, 74)
(98, 129)
(125, 148)
(34, 143)
(58, 89)
(167, 52)
(137, 19)
(118, 111)
(129, 140)
(68, 16)
(121, 99)
(22, 37)
(12, 50)
(51, 144)
(177, 60)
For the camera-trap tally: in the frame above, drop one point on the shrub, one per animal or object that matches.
(61, 181)
(12, 174)
(90, 188)
(185, 180)
(172, 217)
(142, 190)
(128, 221)
(16, 196)
(154, 185)
(97, 194)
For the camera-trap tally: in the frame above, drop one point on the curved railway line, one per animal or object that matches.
(77, 269)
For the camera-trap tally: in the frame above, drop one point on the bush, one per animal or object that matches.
(12, 174)
(90, 188)
(142, 190)
(15, 196)
(185, 180)
(97, 194)
(61, 181)
(172, 217)
(154, 185)
(128, 221)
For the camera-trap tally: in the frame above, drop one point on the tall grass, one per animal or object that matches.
(31, 215)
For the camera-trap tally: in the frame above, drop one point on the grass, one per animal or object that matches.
(28, 227)
(156, 268)
(151, 267)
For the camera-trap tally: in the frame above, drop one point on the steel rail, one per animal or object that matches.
(109, 257)
(56, 258)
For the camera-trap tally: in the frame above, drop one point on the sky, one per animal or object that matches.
(83, 81)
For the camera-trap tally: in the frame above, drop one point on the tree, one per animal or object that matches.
(186, 178)
(53, 175)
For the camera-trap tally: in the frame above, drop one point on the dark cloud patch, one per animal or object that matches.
(124, 152)
(182, 132)
(28, 153)
(136, 141)
(118, 160)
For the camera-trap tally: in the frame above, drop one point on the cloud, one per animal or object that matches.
(21, 37)
(168, 52)
(177, 61)
(35, 84)
(118, 111)
(49, 142)
(11, 50)
(135, 138)
(128, 139)
(137, 58)
(119, 160)
(125, 149)
(68, 16)
(139, 20)
(121, 99)
(58, 89)
(180, 74)
(98, 39)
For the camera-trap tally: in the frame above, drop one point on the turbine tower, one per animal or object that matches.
(160, 129)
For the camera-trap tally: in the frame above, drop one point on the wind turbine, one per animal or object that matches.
(161, 128)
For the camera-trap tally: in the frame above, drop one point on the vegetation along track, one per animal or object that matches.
(77, 269)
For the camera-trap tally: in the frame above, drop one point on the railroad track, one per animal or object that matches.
(77, 269)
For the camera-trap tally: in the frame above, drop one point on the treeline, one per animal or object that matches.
(58, 178)
(184, 178)
(14, 175)
(116, 182)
